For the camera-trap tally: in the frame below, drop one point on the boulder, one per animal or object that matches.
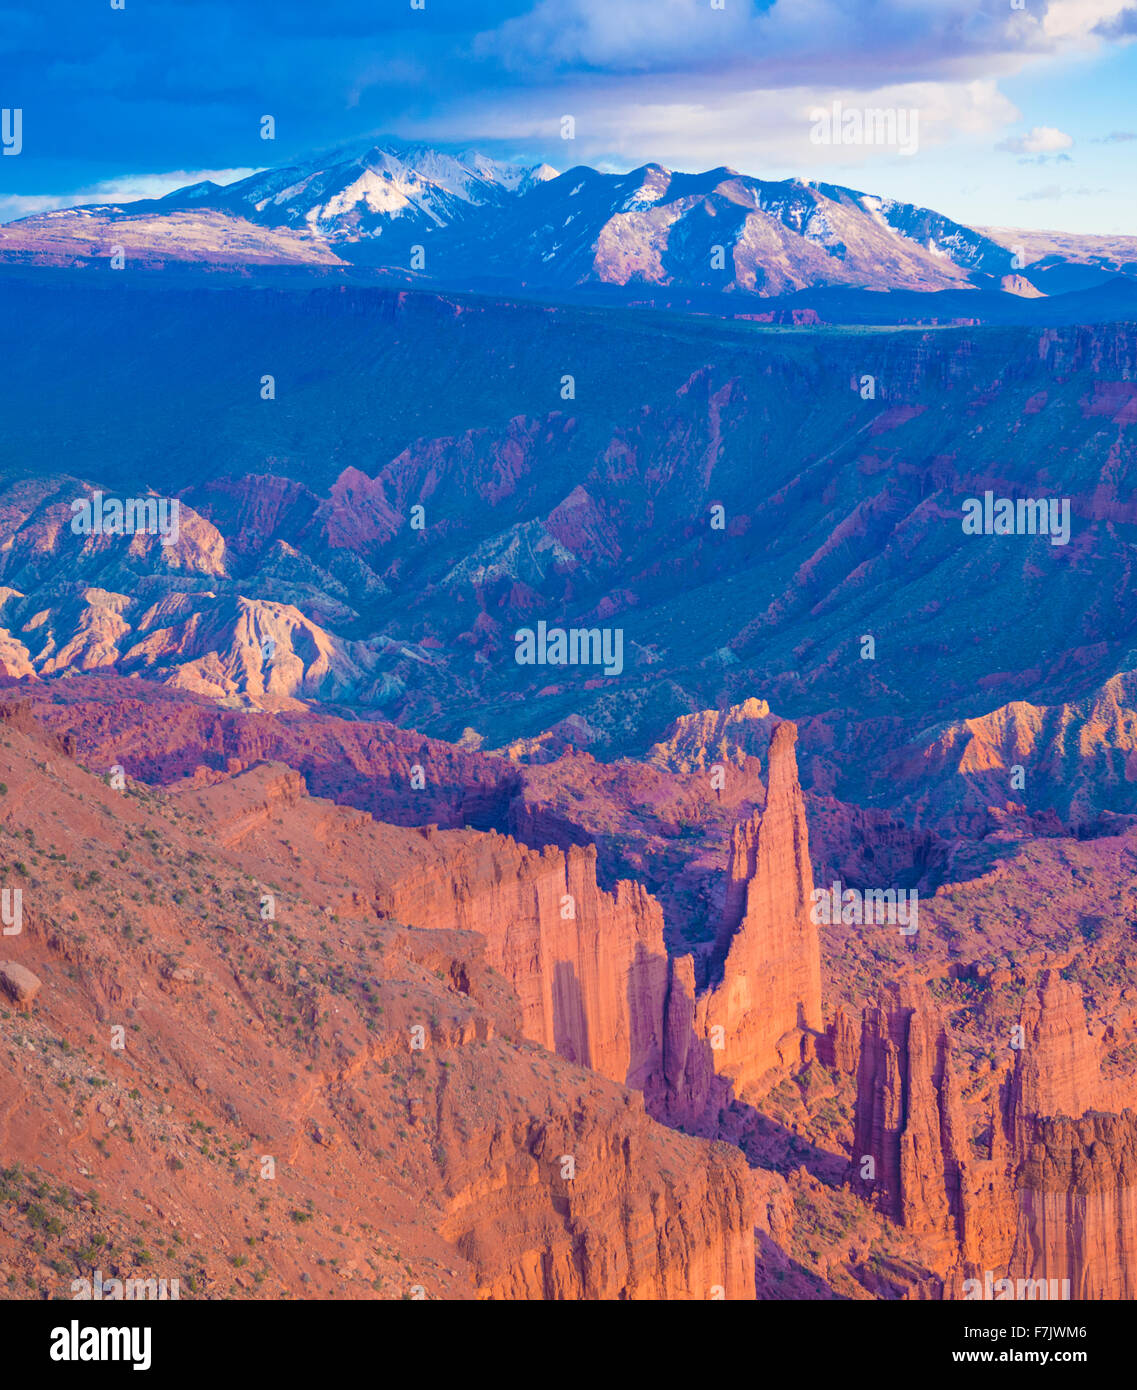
(19, 983)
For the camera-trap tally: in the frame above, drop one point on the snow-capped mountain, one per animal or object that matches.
(360, 191)
(465, 221)
(722, 230)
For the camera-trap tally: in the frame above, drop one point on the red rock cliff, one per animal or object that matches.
(1057, 1068)
(1055, 1200)
(589, 967)
(644, 1213)
(1074, 1168)
(908, 1143)
(1077, 1207)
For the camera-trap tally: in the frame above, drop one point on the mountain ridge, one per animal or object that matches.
(430, 217)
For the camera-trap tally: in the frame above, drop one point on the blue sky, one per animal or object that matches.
(1027, 116)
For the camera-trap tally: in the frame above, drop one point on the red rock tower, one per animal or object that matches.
(908, 1149)
(766, 991)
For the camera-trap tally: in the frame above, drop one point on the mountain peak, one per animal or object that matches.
(360, 190)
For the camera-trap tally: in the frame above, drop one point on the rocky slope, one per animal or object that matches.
(89, 238)
(1076, 761)
(181, 1036)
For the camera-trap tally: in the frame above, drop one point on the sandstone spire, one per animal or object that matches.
(909, 1138)
(766, 984)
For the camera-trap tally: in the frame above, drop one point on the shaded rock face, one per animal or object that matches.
(838, 1049)
(1054, 1202)
(767, 997)
(907, 1155)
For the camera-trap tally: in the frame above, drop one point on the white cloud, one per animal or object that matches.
(757, 132)
(121, 190)
(781, 41)
(1077, 19)
(1040, 139)
(1053, 192)
(635, 35)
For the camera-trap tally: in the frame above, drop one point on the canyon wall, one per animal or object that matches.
(1055, 1196)
(644, 1213)
(1075, 1164)
(1077, 1206)
(1057, 1067)
(909, 1134)
(591, 969)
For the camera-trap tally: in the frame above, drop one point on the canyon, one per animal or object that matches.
(298, 578)
(262, 1038)
(432, 1007)
(354, 957)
